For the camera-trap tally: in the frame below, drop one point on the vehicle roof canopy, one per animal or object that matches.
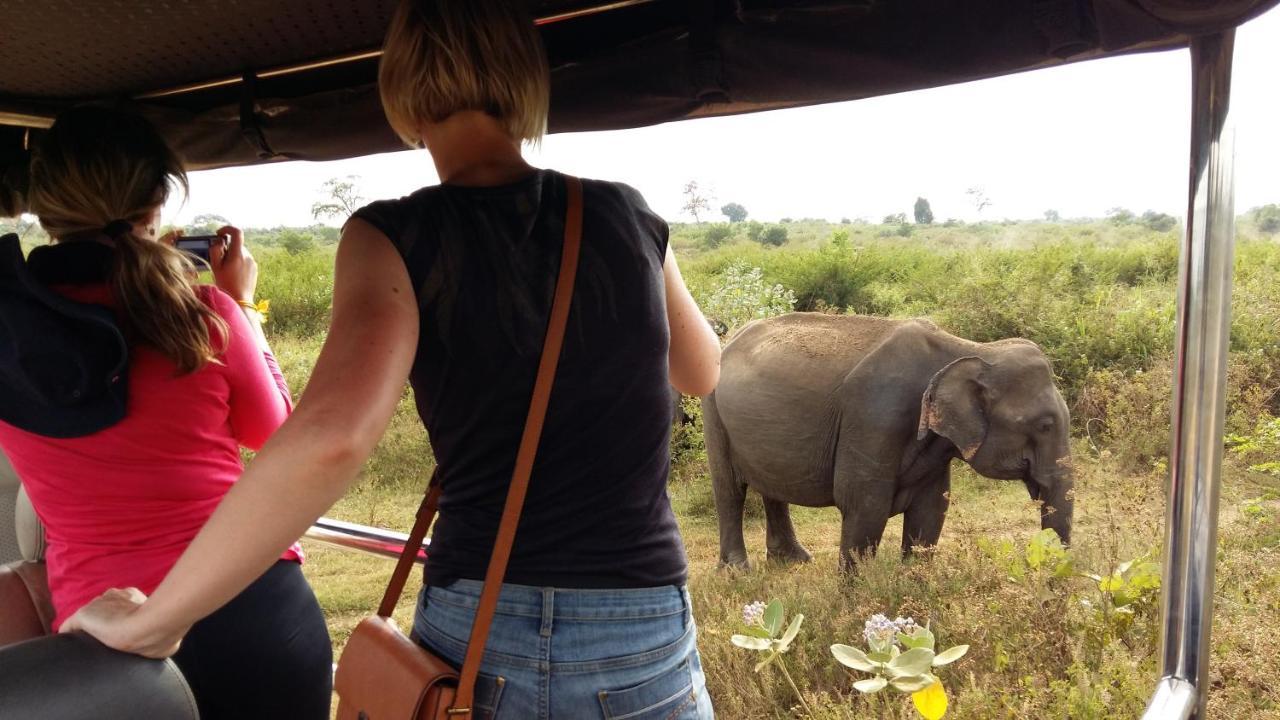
(236, 82)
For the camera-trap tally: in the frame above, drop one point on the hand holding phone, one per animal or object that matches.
(234, 269)
(199, 245)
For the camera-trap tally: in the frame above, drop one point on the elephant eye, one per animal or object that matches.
(1044, 426)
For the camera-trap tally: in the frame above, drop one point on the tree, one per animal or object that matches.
(1052, 216)
(895, 219)
(1158, 221)
(1267, 218)
(695, 202)
(294, 242)
(923, 213)
(341, 198)
(979, 198)
(735, 212)
(716, 234)
(206, 224)
(1120, 216)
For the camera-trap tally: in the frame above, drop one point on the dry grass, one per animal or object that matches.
(1035, 649)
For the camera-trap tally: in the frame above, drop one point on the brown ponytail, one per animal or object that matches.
(152, 288)
(97, 165)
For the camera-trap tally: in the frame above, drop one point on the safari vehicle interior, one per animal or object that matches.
(279, 80)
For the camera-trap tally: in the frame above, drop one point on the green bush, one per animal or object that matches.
(743, 296)
(1267, 218)
(1099, 299)
(1158, 222)
(774, 235)
(715, 234)
(299, 286)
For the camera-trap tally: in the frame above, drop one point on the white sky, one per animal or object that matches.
(1079, 139)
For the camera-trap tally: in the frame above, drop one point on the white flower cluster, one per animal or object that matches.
(753, 613)
(882, 631)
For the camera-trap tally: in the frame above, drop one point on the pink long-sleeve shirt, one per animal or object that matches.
(121, 505)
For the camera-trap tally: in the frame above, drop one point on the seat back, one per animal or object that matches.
(21, 534)
(9, 486)
(74, 677)
(26, 610)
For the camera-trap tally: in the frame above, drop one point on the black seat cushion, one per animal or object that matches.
(74, 677)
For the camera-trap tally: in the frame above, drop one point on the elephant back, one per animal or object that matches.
(838, 338)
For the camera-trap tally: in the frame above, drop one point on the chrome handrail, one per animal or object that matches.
(354, 536)
(1200, 376)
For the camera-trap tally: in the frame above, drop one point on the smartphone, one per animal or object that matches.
(198, 245)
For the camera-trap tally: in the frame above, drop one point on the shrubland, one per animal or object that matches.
(1052, 632)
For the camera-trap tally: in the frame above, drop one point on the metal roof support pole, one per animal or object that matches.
(1200, 374)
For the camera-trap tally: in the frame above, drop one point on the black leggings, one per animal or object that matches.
(265, 654)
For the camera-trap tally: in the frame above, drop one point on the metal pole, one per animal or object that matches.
(1199, 398)
(371, 540)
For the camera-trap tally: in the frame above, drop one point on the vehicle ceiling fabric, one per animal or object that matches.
(618, 64)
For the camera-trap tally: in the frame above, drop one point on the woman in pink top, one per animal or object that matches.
(122, 504)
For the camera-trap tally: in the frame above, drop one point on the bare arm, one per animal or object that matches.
(695, 349)
(358, 380)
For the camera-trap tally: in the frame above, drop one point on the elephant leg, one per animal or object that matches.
(730, 492)
(780, 535)
(922, 521)
(863, 489)
(860, 536)
(862, 520)
(731, 496)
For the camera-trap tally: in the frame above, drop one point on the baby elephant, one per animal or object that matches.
(866, 414)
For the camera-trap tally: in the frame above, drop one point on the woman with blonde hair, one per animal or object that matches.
(450, 287)
(125, 479)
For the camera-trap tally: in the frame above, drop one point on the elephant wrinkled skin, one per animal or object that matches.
(866, 414)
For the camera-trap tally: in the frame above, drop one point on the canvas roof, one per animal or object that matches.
(616, 65)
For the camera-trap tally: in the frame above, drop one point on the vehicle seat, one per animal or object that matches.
(9, 487)
(26, 610)
(72, 676)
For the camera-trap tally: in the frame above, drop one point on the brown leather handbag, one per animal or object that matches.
(383, 674)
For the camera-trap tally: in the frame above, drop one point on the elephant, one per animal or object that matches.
(866, 414)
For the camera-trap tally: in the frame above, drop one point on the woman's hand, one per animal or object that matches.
(114, 619)
(234, 269)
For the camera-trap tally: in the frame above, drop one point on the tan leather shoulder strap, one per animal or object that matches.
(426, 513)
(528, 449)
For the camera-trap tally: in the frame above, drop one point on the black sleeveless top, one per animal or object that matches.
(484, 263)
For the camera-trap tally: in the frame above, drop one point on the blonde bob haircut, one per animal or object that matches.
(446, 56)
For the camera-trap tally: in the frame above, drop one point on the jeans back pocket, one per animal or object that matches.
(668, 696)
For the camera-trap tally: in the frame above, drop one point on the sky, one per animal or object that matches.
(1079, 139)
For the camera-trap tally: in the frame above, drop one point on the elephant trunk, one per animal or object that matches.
(1057, 502)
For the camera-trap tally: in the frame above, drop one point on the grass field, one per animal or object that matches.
(1099, 300)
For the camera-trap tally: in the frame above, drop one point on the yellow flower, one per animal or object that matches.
(931, 702)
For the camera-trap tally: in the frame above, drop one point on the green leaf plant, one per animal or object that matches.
(763, 625)
(900, 654)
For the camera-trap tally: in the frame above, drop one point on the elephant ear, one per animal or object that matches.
(953, 405)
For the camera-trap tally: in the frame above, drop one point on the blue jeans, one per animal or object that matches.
(552, 653)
